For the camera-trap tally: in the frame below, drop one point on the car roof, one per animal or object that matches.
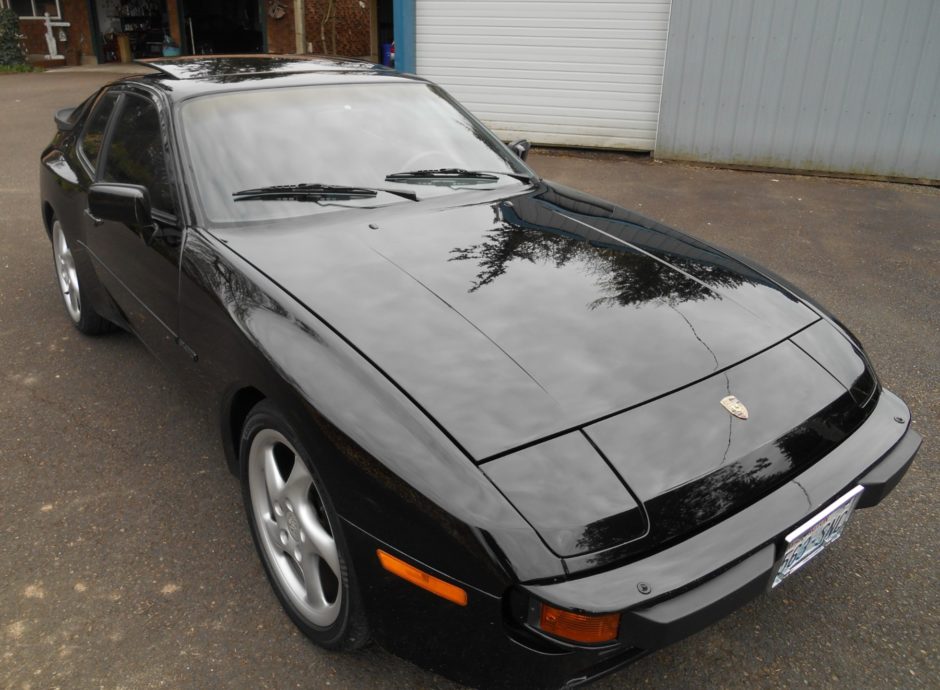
(194, 75)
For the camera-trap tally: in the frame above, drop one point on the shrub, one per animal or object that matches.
(11, 46)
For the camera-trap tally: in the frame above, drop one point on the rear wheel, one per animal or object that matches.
(83, 316)
(297, 533)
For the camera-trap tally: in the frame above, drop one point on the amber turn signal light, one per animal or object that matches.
(424, 580)
(579, 627)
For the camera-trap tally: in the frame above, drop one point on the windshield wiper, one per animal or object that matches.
(452, 175)
(315, 192)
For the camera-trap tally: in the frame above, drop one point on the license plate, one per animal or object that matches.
(806, 541)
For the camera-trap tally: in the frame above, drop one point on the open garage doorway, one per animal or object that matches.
(222, 26)
(133, 29)
(383, 32)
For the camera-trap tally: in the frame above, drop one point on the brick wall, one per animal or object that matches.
(79, 33)
(34, 31)
(76, 11)
(353, 27)
(280, 31)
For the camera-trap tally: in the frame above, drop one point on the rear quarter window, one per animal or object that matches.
(93, 135)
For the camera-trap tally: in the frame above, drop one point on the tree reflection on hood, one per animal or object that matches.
(645, 265)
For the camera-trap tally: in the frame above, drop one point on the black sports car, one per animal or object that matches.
(512, 432)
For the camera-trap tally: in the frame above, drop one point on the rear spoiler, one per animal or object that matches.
(64, 120)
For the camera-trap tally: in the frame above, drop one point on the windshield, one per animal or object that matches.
(344, 134)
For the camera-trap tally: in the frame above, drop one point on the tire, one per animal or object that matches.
(298, 534)
(82, 314)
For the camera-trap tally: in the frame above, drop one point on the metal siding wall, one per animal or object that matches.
(568, 72)
(832, 85)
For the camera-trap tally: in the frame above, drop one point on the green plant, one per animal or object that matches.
(23, 67)
(11, 44)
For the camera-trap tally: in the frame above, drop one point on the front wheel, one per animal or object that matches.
(297, 533)
(83, 316)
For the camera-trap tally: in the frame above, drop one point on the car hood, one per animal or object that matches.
(509, 320)
(657, 473)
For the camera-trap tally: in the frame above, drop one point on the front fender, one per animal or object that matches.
(390, 471)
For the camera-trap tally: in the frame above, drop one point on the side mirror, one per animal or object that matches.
(521, 147)
(121, 203)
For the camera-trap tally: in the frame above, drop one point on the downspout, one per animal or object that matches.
(300, 40)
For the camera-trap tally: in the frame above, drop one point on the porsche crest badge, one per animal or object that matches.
(734, 406)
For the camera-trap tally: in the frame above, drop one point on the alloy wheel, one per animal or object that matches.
(293, 527)
(66, 273)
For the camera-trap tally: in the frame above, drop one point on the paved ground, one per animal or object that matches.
(124, 556)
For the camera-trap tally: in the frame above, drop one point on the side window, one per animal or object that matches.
(93, 136)
(135, 155)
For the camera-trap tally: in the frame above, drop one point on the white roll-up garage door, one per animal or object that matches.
(558, 72)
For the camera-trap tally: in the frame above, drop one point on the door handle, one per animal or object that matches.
(94, 219)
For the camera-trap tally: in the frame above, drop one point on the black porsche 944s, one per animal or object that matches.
(514, 433)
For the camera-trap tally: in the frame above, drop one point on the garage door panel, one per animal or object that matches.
(630, 28)
(535, 14)
(570, 102)
(589, 140)
(576, 47)
(484, 67)
(518, 112)
(620, 130)
(558, 72)
(550, 35)
(595, 85)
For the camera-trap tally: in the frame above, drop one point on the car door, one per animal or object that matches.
(140, 266)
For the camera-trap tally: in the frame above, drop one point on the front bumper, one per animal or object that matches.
(679, 616)
(662, 598)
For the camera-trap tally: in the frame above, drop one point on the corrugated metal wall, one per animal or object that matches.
(833, 85)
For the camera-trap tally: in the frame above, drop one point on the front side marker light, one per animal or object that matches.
(578, 627)
(424, 580)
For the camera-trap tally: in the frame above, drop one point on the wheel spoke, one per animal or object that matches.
(272, 476)
(320, 540)
(73, 288)
(313, 585)
(297, 486)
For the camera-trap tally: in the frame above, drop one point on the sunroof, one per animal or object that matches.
(207, 66)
